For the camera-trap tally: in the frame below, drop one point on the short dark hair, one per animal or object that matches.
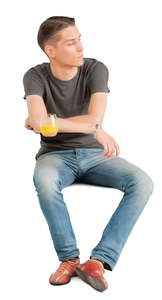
(48, 30)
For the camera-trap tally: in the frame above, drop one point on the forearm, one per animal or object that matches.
(81, 123)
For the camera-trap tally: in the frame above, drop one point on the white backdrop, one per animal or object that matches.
(126, 36)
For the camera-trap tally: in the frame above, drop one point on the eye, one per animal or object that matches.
(69, 44)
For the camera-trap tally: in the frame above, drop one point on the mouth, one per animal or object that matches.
(81, 56)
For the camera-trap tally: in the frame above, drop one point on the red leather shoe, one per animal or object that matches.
(65, 271)
(92, 273)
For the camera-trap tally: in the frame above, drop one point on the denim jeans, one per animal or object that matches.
(59, 169)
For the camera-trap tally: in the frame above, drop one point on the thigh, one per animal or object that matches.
(114, 172)
(53, 169)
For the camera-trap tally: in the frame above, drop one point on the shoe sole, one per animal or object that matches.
(92, 280)
(59, 283)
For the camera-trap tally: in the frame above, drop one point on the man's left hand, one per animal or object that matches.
(108, 142)
(27, 124)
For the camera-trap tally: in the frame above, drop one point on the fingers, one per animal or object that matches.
(117, 149)
(106, 149)
(110, 153)
(28, 126)
(110, 149)
(36, 130)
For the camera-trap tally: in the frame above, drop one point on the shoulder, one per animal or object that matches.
(91, 64)
(36, 72)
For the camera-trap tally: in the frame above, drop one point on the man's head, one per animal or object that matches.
(59, 38)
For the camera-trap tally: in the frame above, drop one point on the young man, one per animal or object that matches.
(75, 89)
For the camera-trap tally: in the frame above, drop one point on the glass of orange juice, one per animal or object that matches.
(48, 125)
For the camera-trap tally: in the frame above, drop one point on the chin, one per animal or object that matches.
(78, 63)
(81, 62)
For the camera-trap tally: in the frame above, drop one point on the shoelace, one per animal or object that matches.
(103, 270)
(64, 266)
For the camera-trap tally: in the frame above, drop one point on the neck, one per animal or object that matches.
(63, 72)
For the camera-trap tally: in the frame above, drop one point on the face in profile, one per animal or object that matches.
(69, 50)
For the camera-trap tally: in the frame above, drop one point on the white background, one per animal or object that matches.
(126, 36)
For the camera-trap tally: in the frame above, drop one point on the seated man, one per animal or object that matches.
(75, 89)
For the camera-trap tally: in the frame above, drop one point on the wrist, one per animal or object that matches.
(98, 129)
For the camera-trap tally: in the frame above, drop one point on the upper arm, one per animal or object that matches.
(97, 106)
(33, 83)
(34, 91)
(97, 84)
(97, 80)
(36, 109)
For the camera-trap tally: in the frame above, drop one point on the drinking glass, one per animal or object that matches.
(48, 125)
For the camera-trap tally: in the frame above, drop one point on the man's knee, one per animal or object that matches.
(46, 183)
(142, 182)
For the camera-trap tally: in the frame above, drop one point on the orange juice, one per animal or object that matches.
(49, 129)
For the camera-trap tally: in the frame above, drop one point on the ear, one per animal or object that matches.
(50, 51)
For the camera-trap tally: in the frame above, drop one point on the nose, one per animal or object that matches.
(80, 47)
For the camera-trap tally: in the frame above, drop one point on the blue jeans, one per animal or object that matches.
(59, 169)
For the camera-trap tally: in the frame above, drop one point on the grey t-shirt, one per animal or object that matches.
(67, 98)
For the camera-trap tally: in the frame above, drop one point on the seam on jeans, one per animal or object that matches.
(79, 169)
(121, 184)
(60, 180)
(97, 164)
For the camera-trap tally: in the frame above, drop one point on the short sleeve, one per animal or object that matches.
(98, 79)
(33, 84)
